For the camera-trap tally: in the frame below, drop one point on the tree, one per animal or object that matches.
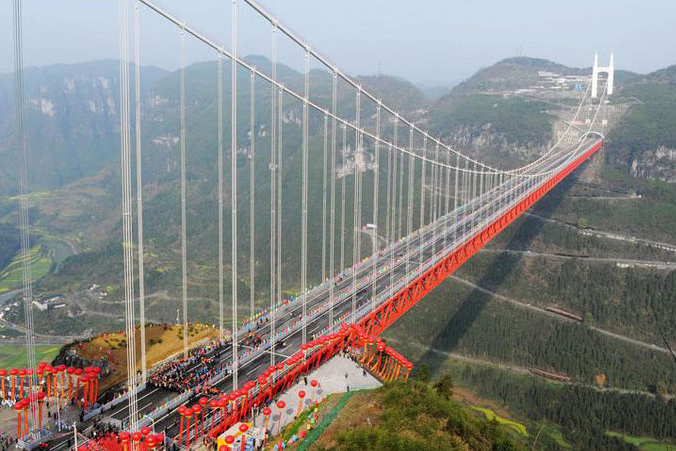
(423, 373)
(444, 386)
(588, 319)
(504, 445)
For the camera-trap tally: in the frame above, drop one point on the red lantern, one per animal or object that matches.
(13, 373)
(196, 409)
(124, 438)
(145, 431)
(267, 411)
(243, 428)
(188, 415)
(181, 412)
(18, 407)
(281, 404)
(203, 403)
(301, 395)
(3, 374)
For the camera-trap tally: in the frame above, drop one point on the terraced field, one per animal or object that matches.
(41, 262)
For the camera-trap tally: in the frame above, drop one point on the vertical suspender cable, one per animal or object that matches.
(221, 312)
(436, 184)
(127, 237)
(455, 201)
(447, 207)
(324, 169)
(332, 238)
(388, 190)
(395, 164)
(474, 195)
(422, 195)
(479, 194)
(233, 190)
(304, 206)
(393, 218)
(409, 201)
(342, 201)
(436, 193)
(376, 188)
(466, 175)
(184, 266)
(422, 187)
(400, 206)
(361, 163)
(280, 180)
(24, 222)
(252, 196)
(356, 238)
(139, 187)
(273, 193)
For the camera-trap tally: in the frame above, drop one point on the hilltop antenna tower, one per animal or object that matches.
(609, 70)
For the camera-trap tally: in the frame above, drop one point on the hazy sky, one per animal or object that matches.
(437, 41)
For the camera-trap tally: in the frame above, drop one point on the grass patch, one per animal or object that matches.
(556, 435)
(643, 443)
(41, 262)
(7, 332)
(492, 416)
(12, 356)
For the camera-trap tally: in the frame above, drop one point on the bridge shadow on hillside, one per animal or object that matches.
(474, 303)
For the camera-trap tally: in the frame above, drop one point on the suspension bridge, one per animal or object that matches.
(424, 207)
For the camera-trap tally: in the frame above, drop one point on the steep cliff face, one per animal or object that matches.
(71, 123)
(645, 139)
(655, 164)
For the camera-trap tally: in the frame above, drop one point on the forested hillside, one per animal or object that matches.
(599, 246)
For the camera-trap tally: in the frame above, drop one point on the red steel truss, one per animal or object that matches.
(392, 309)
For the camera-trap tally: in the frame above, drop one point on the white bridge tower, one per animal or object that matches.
(609, 70)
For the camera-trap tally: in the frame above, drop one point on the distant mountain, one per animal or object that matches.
(89, 193)
(512, 73)
(483, 116)
(435, 92)
(665, 75)
(396, 92)
(71, 122)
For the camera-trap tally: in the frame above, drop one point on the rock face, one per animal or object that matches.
(656, 164)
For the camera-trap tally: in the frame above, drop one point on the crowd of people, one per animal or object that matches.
(195, 371)
(6, 441)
